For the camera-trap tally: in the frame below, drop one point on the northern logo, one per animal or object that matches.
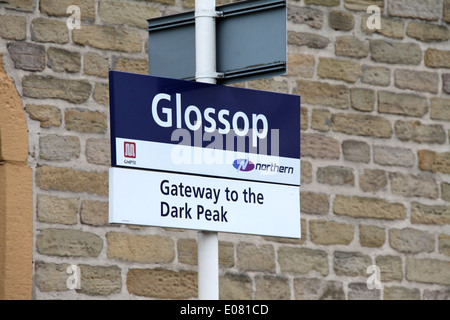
(246, 166)
(243, 165)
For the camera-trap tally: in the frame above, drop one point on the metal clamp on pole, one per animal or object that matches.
(216, 75)
(208, 13)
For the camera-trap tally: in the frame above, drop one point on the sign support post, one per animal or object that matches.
(205, 56)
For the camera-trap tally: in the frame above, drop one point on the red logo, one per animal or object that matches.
(129, 149)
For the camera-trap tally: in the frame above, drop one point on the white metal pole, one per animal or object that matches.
(205, 55)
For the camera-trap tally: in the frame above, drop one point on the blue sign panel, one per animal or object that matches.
(198, 128)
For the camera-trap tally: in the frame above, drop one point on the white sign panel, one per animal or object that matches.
(202, 203)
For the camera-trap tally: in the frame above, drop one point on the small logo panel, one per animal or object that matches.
(129, 149)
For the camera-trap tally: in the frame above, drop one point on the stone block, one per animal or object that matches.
(27, 56)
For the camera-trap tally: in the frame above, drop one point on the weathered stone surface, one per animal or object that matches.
(27, 56)
(255, 258)
(427, 32)
(101, 93)
(417, 80)
(391, 268)
(350, 46)
(330, 232)
(51, 209)
(336, 176)
(379, 76)
(396, 52)
(85, 121)
(131, 65)
(321, 119)
(48, 116)
(140, 248)
(59, 148)
(371, 236)
(362, 207)
(13, 27)
(19, 5)
(360, 291)
(63, 179)
(362, 99)
(393, 156)
(306, 172)
(305, 15)
(311, 40)
(447, 13)
(322, 93)
(362, 125)
(51, 276)
(272, 288)
(58, 8)
(96, 65)
(100, 280)
(108, 38)
(440, 109)
(327, 3)
(430, 214)
(410, 240)
(373, 180)
(68, 243)
(302, 260)
(428, 271)
(268, 84)
(361, 5)
(319, 146)
(444, 244)
(235, 287)
(357, 151)
(61, 60)
(346, 70)
(418, 132)
(162, 284)
(318, 289)
(433, 161)
(350, 263)
(226, 254)
(134, 14)
(402, 104)
(301, 65)
(187, 251)
(401, 293)
(98, 151)
(341, 20)
(425, 10)
(410, 185)
(445, 191)
(94, 213)
(314, 203)
(435, 58)
(47, 30)
(44, 87)
(440, 294)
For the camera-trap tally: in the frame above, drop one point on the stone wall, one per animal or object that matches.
(374, 144)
